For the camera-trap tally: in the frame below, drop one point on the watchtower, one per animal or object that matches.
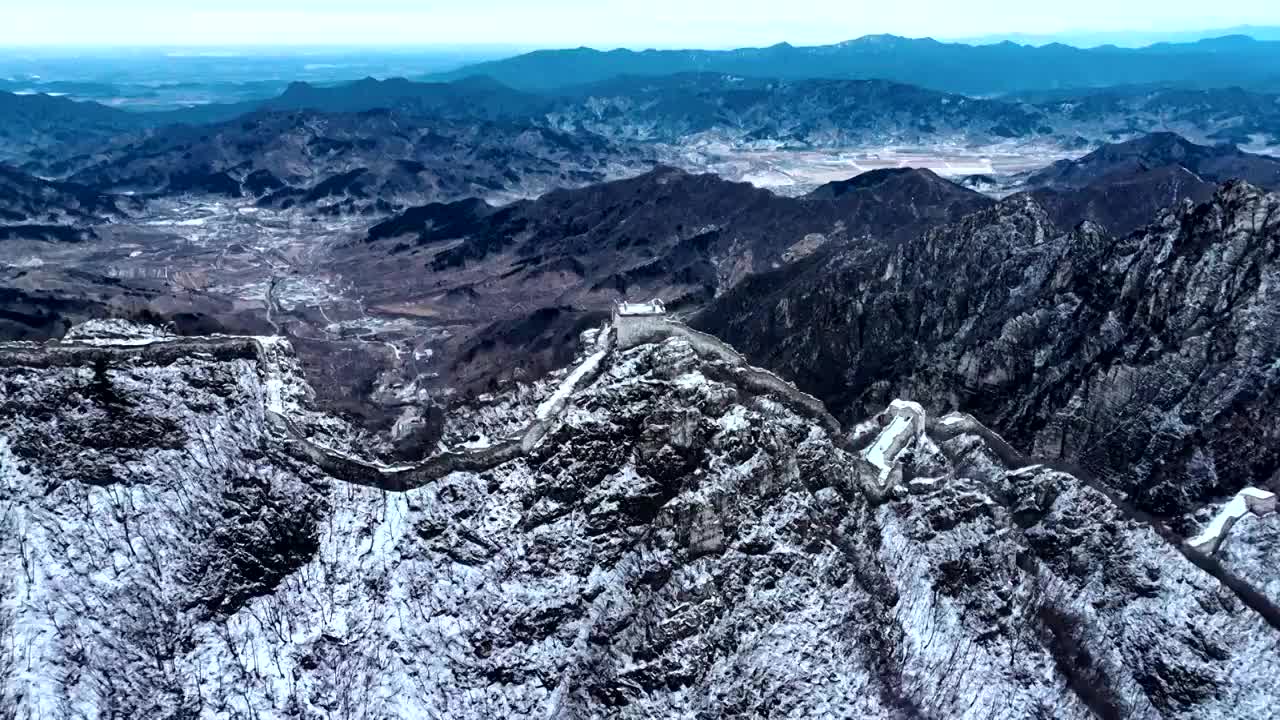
(638, 322)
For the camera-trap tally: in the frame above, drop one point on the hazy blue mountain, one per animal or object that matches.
(811, 112)
(953, 67)
(33, 126)
(157, 79)
(40, 131)
(1125, 38)
(470, 97)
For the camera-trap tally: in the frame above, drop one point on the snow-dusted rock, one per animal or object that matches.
(1247, 501)
(686, 541)
(115, 332)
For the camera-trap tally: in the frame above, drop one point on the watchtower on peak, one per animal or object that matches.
(627, 309)
(634, 322)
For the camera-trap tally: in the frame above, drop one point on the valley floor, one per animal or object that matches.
(795, 172)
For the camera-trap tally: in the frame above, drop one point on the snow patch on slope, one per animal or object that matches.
(1248, 500)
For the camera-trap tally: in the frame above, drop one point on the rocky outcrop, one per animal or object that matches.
(408, 476)
(108, 343)
(104, 344)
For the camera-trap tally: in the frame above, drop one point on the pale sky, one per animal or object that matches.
(596, 23)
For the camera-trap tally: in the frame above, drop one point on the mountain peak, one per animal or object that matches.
(1149, 152)
(1160, 139)
(877, 39)
(879, 177)
(1234, 40)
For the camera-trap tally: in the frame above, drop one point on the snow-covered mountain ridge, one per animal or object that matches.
(687, 538)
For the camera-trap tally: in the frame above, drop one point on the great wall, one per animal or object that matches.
(879, 455)
(631, 325)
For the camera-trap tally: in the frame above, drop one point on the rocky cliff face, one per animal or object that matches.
(1149, 358)
(682, 543)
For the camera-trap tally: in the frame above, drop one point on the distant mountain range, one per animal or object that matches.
(951, 67)
(870, 92)
(1125, 38)
(469, 98)
(675, 108)
(56, 137)
(797, 113)
(377, 161)
(375, 147)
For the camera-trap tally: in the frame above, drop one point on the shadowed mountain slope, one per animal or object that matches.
(1217, 163)
(670, 234)
(1149, 357)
